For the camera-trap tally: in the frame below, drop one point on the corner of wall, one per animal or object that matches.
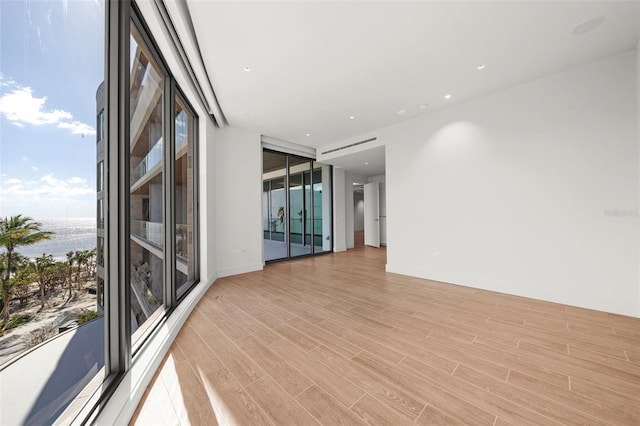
(237, 240)
(638, 145)
(339, 210)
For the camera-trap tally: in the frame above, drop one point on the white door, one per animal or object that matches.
(372, 214)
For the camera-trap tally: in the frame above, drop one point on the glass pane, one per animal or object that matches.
(100, 221)
(274, 202)
(184, 214)
(100, 131)
(299, 202)
(100, 176)
(322, 227)
(146, 184)
(51, 70)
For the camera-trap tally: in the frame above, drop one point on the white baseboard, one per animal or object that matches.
(240, 270)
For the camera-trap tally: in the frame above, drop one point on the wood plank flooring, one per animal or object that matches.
(336, 340)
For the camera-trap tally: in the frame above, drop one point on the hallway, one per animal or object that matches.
(335, 339)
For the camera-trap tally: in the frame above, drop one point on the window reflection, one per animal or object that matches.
(184, 206)
(146, 183)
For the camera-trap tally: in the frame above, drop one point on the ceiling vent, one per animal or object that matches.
(349, 146)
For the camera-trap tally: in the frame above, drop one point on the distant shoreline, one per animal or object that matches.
(70, 234)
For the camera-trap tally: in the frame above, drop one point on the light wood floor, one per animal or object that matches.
(336, 340)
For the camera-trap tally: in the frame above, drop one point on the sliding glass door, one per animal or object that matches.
(274, 206)
(296, 206)
(299, 200)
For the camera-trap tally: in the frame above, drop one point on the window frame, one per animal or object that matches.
(184, 291)
(120, 352)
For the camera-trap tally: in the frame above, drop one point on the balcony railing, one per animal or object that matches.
(153, 158)
(181, 240)
(150, 231)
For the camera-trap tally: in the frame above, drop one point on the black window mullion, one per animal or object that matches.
(117, 275)
(169, 195)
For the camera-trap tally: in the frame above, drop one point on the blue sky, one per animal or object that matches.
(51, 63)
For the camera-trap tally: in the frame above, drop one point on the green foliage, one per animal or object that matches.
(86, 316)
(15, 321)
(16, 231)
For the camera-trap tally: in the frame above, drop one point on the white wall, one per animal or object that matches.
(206, 189)
(513, 192)
(521, 191)
(340, 211)
(238, 198)
(638, 123)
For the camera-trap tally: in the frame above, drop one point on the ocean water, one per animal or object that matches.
(69, 235)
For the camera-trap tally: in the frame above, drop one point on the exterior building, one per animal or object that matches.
(100, 207)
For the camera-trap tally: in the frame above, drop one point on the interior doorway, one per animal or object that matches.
(369, 211)
(358, 216)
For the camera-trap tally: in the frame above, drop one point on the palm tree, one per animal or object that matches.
(16, 231)
(80, 258)
(24, 275)
(43, 265)
(71, 257)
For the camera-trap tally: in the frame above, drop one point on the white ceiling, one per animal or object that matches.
(364, 163)
(314, 64)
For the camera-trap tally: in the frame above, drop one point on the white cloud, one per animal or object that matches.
(34, 168)
(78, 128)
(48, 197)
(8, 82)
(25, 158)
(21, 107)
(76, 179)
(48, 187)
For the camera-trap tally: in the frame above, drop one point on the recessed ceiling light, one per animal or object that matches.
(352, 117)
(480, 67)
(246, 69)
(447, 96)
(402, 112)
(422, 106)
(366, 164)
(308, 134)
(587, 26)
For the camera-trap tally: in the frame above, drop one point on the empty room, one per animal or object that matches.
(350, 212)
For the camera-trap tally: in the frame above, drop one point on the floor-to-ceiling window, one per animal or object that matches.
(162, 210)
(296, 206)
(102, 280)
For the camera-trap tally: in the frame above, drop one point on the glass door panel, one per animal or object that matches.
(308, 216)
(322, 208)
(274, 206)
(299, 199)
